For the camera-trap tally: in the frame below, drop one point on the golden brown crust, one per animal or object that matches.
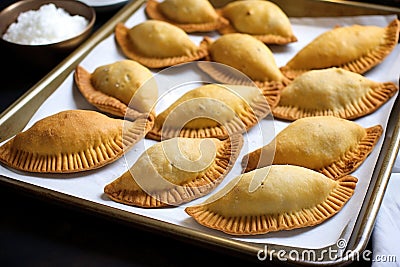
(201, 185)
(265, 38)
(354, 158)
(270, 89)
(124, 42)
(371, 102)
(73, 141)
(353, 100)
(257, 224)
(243, 118)
(369, 59)
(244, 53)
(252, 18)
(243, 122)
(153, 11)
(348, 162)
(98, 99)
(101, 100)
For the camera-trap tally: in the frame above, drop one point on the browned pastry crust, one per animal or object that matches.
(195, 113)
(332, 92)
(217, 22)
(249, 61)
(128, 48)
(263, 20)
(128, 189)
(355, 48)
(73, 141)
(270, 89)
(333, 154)
(288, 197)
(106, 102)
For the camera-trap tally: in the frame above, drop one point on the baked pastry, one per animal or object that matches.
(157, 44)
(123, 88)
(248, 55)
(274, 198)
(175, 171)
(262, 19)
(189, 15)
(211, 110)
(333, 146)
(333, 92)
(72, 141)
(356, 48)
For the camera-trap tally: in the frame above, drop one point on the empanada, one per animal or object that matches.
(262, 19)
(356, 48)
(274, 198)
(332, 92)
(246, 54)
(211, 110)
(158, 44)
(72, 141)
(124, 88)
(189, 15)
(330, 145)
(175, 171)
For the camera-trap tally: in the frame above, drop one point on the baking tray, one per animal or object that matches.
(16, 117)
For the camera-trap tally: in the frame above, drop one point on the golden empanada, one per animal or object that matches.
(212, 110)
(189, 15)
(274, 198)
(176, 171)
(332, 92)
(356, 48)
(330, 145)
(246, 54)
(158, 44)
(123, 88)
(262, 19)
(72, 141)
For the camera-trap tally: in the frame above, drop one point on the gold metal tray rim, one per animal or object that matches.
(31, 100)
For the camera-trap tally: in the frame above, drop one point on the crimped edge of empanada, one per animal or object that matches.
(265, 38)
(271, 90)
(368, 61)
(355, 157)
(153, 12)
(201, 185)
(374, 99)
(89, 158)
(121, 36)
(262, 224)
(347, 164)
(227, 76)
(243, 121)
(100, 100)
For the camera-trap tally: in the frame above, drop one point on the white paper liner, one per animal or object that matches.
(387, 229)
(89, 186)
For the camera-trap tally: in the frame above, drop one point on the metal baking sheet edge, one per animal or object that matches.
(22, 110)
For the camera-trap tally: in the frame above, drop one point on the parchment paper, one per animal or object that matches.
(90, 185)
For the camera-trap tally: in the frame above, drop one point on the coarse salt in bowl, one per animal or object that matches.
(49, 24)
(44, 31)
